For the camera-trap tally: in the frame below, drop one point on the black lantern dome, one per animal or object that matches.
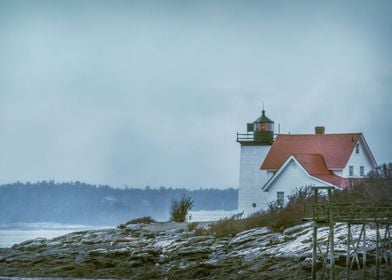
(260, 132)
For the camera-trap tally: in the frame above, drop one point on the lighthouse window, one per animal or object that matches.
(357, 148)
(280, 199)
(262, 127)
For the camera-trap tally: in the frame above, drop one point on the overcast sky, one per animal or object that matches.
(153, 92)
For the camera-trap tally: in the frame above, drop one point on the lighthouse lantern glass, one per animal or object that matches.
(263, 126)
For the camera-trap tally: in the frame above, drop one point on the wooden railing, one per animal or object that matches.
(327, 214)
(352, 212)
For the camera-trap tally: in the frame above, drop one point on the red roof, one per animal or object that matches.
(335, 180)
(333, 149)
(314, 164)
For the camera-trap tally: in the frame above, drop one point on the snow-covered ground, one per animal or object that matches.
(167, 248)
(209, 215)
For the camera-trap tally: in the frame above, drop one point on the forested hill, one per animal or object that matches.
(80, 203)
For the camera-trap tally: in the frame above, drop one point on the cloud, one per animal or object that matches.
(153, 93)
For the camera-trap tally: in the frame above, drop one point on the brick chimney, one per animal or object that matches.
(319, 129)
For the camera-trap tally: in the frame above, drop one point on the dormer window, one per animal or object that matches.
(357, 148)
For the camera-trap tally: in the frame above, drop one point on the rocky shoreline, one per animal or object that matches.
(171, 251)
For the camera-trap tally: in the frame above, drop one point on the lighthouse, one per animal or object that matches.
(255, 145)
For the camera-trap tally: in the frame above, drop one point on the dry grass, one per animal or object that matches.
(142, 220)
(197, 230)
(377, 187)
(299, 205)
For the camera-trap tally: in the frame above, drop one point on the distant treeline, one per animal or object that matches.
(80, 203)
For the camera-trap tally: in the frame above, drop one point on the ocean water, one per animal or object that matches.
(20, 232)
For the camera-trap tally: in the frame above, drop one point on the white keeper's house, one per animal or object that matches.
(273, 166)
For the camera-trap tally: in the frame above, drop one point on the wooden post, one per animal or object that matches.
(357, 213)
(348, 258)
(314, 253)
(389, 244)
(377, 250)
(331, 234)
(364, 251)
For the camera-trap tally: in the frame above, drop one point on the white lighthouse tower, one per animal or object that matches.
(255, 145)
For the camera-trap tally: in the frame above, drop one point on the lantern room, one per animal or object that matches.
(260, 132)
(263, 129)
(262, 124)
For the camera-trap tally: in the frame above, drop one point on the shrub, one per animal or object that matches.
(275, 217)
(179, 208)
(233, 225)
(142, 220)
(201, 231)
(226, 227)
(192, 226)
(299, 206)
(377, 187)
(196, 230)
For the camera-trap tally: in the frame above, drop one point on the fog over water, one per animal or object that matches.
(153, 92)
(16, 233)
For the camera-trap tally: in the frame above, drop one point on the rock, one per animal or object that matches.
(144, 257)
(194, 251)
(163, 259)
(124, 239)
(120, 252)
(98, 252)
(198, 239)
(160, 251)
(248, 236)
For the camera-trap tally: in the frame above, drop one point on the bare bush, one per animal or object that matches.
(275, 217)
(197, 230)
(142, 220)
(179, 208)
(376, 187)
(299, 205)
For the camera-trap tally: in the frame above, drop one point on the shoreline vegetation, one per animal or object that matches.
(272, 244)
(168, 250)
(376, 188)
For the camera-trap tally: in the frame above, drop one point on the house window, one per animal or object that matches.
(362, 171)
(357, 148)
(254, 205)
(351, 170)
(280, 199)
